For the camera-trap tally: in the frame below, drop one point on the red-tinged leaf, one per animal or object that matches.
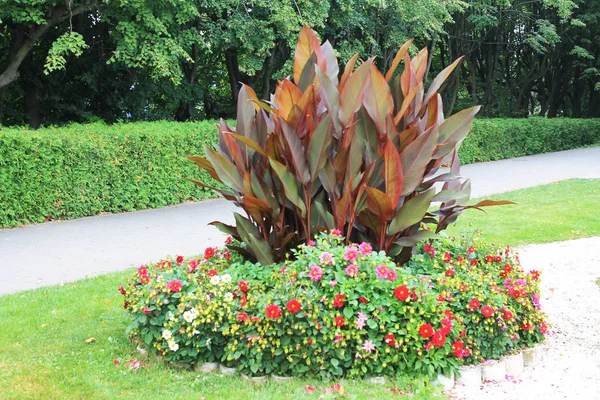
(407, 102)
(246, 112)
(355, 160)
(287, 96)
(351, 96)
(308, 74)
(489, 203)
(366, 132)
(408, 79)
(419, 64)
(454, 130)
(255, 203)
(308, 43)
(235, 151)
(378, 99)
(328, 92)
(227, 172)
(442, 76)
(226, 229)
(318, 147)
(393, 174)
(290, 185)
(202, 184)
(331, 63)
(342, 206)
(435, 111)
(415, 158)
(203, 163)
(297, 153)
(347, 72)
(407, 136)
(379, 204)
(446, 196)
(250, 143)
(328, 179)
(447, 177)
(411, 212)
(371, 221)
(399, 56)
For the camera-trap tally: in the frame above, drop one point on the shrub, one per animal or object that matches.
(338, 310)
(81, 170)
(358, 156)
(501, 138)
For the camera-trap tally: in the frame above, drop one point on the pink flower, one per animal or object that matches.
(174, 285)
(381, 271)
(368, 346)
(336, 232)
(333, 283)
(315, 273)
(338, 339)
(391, 275)
(365, 248)
(352, 271)
(310, 243)
(142, 270)
(351, 255)
(146, 311)
(326, 258)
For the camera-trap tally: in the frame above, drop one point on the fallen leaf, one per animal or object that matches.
(90, 340)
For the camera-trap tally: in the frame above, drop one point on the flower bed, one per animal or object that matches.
(334, 310)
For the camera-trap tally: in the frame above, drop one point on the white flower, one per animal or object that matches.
(225, 278)
(189, 317)
(173, 346)
(215, 280)
(166, 334)
(196, 332)
(228, 296)
(171, 316)
(195, 312)
(208, 341)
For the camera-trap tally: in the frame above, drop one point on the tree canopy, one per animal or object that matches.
(81, 60)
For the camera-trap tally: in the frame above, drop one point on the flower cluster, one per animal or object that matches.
(337, 310)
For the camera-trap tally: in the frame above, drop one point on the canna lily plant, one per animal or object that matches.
(359, 153)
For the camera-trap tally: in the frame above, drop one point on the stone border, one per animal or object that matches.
(469, 375)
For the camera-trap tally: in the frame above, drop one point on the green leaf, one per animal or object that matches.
(411, 212)
(318, 146)
(290, 186)
(226, 171)
(415, 158)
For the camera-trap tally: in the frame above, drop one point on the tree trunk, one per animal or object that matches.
(33, 106)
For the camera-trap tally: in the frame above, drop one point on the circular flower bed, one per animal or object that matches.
(334, 310)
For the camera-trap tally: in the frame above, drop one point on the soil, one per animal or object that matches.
(570, 365)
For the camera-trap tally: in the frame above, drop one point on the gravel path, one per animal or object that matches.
(570, 368)
(63, 251)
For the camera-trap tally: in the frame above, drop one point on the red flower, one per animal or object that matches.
(243, 286)
(507, 315)
(487, 311)
(498, 258)
(426, 331)
(338, 301)
(363, 300)
(474, 304)
(507, 268)
(450, 273)
(179, 259)
(463, 333)
(535, 275)
(413, 296)
(142, 270)
(339, 321)
(115, 361)
(309, 341)
(273, 311)
(254, 319)
(294, 306)
(447, 257)
(462, 287)
(126, 304)
(489, 259)
(401, 293)
(390, 340)
(122, 290)
(146, 311)
(526, 326)
(458, 349)
(209, 253)
(459, 259)
(144, 279)
(438, 339)
(227, 255)
(228, 240)
(543, 328)
(242, 316)
(474, 261)
(212, 272)
(243, 300)
(471, 249)
(174, 286)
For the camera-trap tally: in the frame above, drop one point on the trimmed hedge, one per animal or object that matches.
(501, 138)
(81, 170)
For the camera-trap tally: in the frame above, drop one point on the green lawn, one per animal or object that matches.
(549, 213)
(43, 350)
(43, 354)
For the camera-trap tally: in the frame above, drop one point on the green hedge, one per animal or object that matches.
(80, 170)
(501, 138)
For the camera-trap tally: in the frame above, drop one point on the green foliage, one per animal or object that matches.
(353, 156)
(69, 43)
(81, 170)
(338, 310)
(501, 138)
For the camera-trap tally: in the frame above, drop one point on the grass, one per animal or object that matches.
(43, 354)
(558, 211)
(43, 333)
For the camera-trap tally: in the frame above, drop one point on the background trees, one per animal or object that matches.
(82, 60)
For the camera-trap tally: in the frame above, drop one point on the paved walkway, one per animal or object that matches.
(56, 252)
